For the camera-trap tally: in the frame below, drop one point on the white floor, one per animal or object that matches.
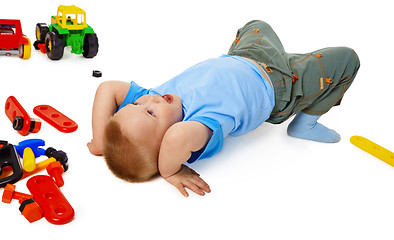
(265, 185)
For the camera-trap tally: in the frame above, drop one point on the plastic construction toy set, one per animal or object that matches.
(46, 199)
(67, 28)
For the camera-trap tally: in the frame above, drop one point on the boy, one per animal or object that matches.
(142, 131)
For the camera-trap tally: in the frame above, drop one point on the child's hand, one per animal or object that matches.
(94, 149)
(187, 177)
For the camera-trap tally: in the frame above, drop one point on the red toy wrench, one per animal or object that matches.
(55, 118)
(57, 210)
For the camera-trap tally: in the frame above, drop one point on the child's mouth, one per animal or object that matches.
(168, 98)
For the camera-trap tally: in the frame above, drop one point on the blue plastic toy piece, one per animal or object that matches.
(34, 144)
(9, 158)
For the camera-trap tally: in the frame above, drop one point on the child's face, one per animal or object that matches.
(149, 117)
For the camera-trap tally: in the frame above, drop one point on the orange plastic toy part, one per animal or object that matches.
(13, 109)
(55, 170)
(57, 210)
(31, 210)
(10, 193)
(55, 118)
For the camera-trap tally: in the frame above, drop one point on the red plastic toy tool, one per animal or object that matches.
(57, 210)
(20, 119)
(55, 118)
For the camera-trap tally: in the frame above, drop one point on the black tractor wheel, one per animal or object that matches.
(90, 45)
(54, 45)
(41, 31)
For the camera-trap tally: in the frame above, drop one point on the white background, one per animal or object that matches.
(265, 185)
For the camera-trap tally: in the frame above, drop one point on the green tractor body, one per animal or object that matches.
(72, 38)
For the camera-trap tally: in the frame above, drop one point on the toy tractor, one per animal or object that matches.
(12, 40)
(67, 28)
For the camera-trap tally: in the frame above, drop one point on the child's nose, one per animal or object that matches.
(156, 99)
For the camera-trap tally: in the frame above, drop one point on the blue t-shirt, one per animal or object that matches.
(228, 94)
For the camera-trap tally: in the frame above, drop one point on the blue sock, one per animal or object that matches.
(305, 126)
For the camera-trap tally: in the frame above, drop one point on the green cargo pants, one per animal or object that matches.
(312, 82)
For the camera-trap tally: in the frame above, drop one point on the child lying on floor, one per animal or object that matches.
(142, 132)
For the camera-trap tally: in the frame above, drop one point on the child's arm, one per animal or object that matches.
(109, 96)
(180, 140)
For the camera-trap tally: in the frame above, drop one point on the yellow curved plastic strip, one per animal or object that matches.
(373, 149)
(39, 167)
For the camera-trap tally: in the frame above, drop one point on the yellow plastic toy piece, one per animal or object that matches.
(29, 160)
(26, 50)
(70, 17)
(373, 149)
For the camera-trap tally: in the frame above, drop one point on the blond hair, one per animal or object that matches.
(127, 159)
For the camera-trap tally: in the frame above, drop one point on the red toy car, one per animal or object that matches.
(12, 40)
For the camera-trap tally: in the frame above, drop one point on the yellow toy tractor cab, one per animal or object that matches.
(70, 17)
